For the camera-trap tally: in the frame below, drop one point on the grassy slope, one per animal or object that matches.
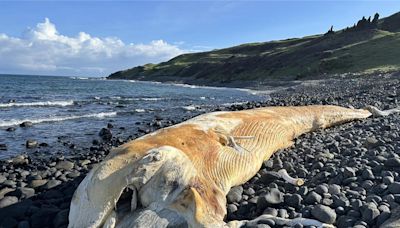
(308, 57)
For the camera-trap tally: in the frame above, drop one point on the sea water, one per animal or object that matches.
(73, 110)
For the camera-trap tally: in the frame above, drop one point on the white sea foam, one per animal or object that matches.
(39, 103)
(12, 122)
(190, 107)
(140, 110)
(151, 98)
(141, 98)
(80, 78)
(234, 103)
(206, 87)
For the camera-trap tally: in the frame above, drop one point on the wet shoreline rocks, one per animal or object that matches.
(351, 171)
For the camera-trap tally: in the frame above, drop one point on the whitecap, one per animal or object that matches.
(12, 122)
(151, 98)
(142, 99)
(190, 107)
(234, 103)
(115, 97)
(140, 110)
(39, 103)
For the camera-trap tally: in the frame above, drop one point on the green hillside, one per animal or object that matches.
(370, 45)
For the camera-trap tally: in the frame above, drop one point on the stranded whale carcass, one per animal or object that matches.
(180, 175)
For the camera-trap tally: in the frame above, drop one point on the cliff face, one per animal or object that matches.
(370, 45)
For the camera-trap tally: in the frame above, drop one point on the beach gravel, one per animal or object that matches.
(351, 171)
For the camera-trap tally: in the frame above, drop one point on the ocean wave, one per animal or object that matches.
(234, 103)
(190, 107)
(206, 87)
(14, 122)
(140, 110)
(138, 98)
(80, 78)
(115, 97)
(39, 103)
(151, 99)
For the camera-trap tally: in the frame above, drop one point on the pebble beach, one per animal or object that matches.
(351, 171)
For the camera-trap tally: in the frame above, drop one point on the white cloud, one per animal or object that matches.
(42, 50)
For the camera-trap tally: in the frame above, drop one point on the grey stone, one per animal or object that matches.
(22, 192)
(2, 179)
(20, 160)
(371, 142)
(324, 214)
(84, 162)
(384, 216)
(394, 188)
(37, 183)
(367, 174)
(7, 201)
(270, 211)
(340, 201)
(313, 198)
(105, 134)
(73, 174)
(392, 162)
(10, 183)
(30, 143)
(394, 220)
(231, 208)
(369, 214)
(235, 194)
(249, 191)
(349, 172)
(52, 184)
(294, 200)
(65, 165)
(387, 180)
(274, 196)
(322, 189)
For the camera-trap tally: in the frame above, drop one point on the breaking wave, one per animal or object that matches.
(190, 107)
(13, 122)
(39, 103)
(140, 110)
(138, 98)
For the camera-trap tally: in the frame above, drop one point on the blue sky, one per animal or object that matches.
(121, 34)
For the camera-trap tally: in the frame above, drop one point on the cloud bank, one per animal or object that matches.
(42, 50)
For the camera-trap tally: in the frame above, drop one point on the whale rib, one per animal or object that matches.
(181, 175)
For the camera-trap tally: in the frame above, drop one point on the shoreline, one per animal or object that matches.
(255, 84)
(38, 189)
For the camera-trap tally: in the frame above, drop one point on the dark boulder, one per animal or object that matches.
(30, 143)
(10, 129)
(324, 214)
(105, 134)
(26, 124)
(3, 146)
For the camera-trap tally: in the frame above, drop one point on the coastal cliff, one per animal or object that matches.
(371, 45)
